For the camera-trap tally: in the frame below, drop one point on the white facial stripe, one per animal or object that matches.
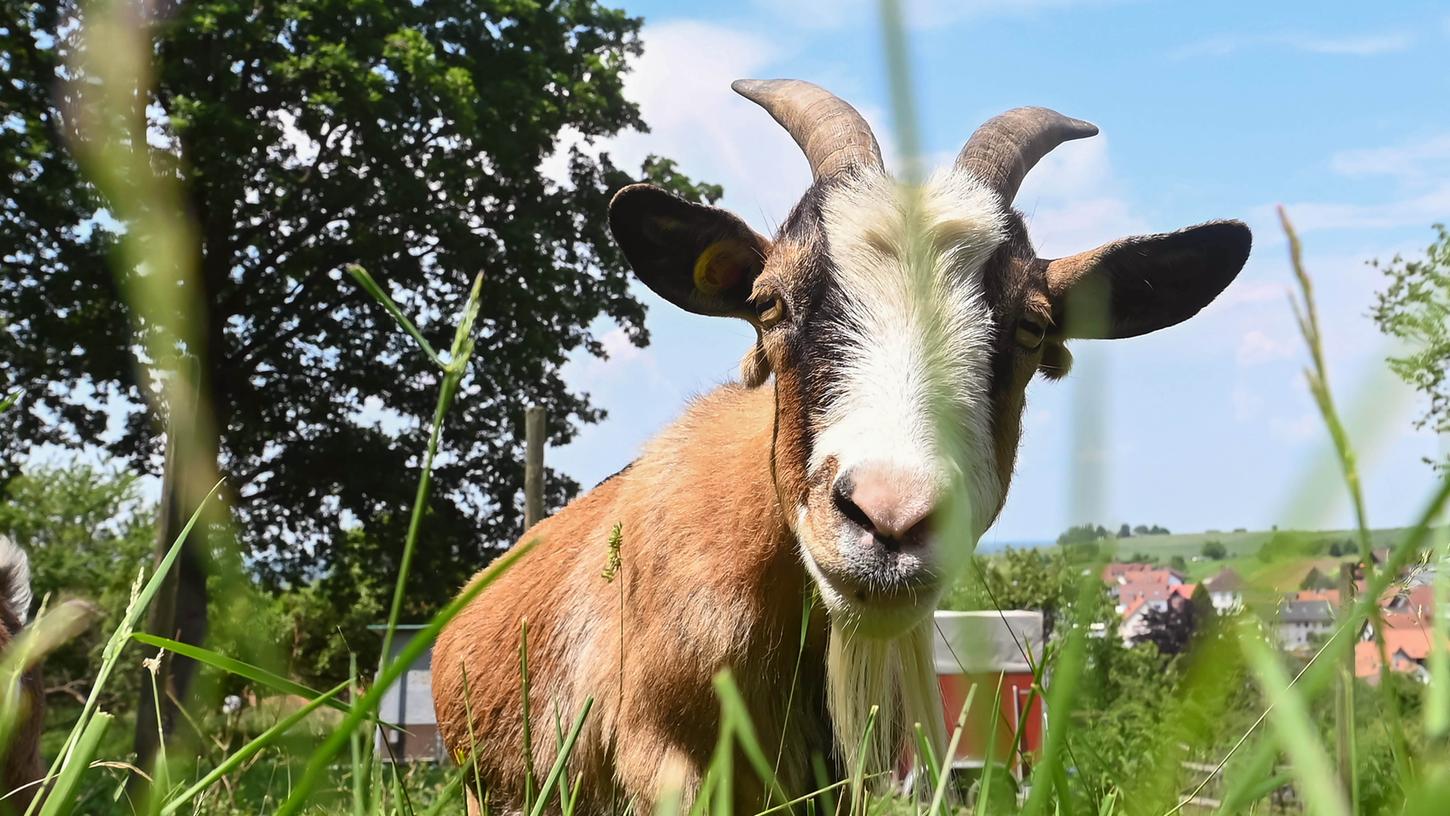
(918, 327)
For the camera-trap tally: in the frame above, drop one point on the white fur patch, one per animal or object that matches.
(912, 389)
(15, 593)
(898, 678)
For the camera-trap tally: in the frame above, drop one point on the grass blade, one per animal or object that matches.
(1295, 731)
(256, 674)
(939, 793)
(111, 654)
(241, 755)
(371, 286)
(317, 766)
(858, 775)
(62, 797)
(732, 708)
(561, 761)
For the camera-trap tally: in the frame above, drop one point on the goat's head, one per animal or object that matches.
(901, 326)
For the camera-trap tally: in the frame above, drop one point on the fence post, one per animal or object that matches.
(533, 465)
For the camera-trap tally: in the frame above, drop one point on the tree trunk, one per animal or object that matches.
(179, 610)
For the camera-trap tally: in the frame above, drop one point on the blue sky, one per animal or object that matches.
(1335, 110)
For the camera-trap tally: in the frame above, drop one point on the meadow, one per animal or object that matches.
(1230, 726)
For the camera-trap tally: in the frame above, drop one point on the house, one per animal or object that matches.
(408, 704)
(1416, 600)
(1116, 571)
(1407, 650)
(1141, 599)
(1302, 624)
(1329, 596)
(1155, 587)
(1322, 573)
(1226, 590)
(1118, 574)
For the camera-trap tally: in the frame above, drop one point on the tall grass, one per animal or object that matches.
(1248, 769)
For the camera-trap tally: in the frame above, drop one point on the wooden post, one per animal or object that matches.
(533, 465)
(1344, 742)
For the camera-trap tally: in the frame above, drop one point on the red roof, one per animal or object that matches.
(1330, 596)
(1151, 590)
(1404, 620)
(1407, 650)
(1132, 608)
(1112, 572)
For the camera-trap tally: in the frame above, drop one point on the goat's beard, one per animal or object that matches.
(898, 676)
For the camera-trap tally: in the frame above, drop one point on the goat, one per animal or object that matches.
(20, 763)
(897, 327)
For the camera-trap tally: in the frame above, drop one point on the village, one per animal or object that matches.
(1307, 606)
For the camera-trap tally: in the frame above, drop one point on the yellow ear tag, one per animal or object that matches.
(714, 272)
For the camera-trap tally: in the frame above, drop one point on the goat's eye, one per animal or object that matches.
(771, 310)
(1030, 334)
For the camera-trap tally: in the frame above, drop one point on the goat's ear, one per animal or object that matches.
(1137, 285)
(700, 258)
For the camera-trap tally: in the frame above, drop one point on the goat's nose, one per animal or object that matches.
(891, 502)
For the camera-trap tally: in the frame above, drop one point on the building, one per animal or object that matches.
(1226, 590)
(1303, 624)
(408, 704)
(1407, 650)
(1137, 600)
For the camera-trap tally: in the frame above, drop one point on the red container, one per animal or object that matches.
(988, 649)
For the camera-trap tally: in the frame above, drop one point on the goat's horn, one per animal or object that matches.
(1002, 151)
(832, 134)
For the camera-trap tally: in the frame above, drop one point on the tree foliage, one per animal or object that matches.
(88, 534)
(1415, 308)
(307, 135)
(1173, 628)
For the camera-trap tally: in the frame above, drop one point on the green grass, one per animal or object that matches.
(1279, 738)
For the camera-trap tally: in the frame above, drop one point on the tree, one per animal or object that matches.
(1177, 562)
(1215, 550)
(88, 533)
(1124, 532)
(307, 135)
(1044, 580)
(1173, 628)
(304, 136)
(1415, 308)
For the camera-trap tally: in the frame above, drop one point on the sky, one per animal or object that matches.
(1335, 110)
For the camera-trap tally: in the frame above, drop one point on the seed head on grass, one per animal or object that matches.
(611, 564)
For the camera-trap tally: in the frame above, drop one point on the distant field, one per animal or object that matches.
(1243, 548)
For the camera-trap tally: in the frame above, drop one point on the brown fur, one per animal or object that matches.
(711, 580)
(21, 764)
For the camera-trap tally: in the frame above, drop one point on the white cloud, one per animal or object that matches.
(1408, 162)
(621, 359)
(1365, 45)
(1257, 347)
(1073, 202)
(683, 92)
(1422, 167)
(1246, 292)
(1247, 402)
(1413, 211)
(830, 14)
(1299, 429)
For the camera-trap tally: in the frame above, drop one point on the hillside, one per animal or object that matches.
(1247, 551)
